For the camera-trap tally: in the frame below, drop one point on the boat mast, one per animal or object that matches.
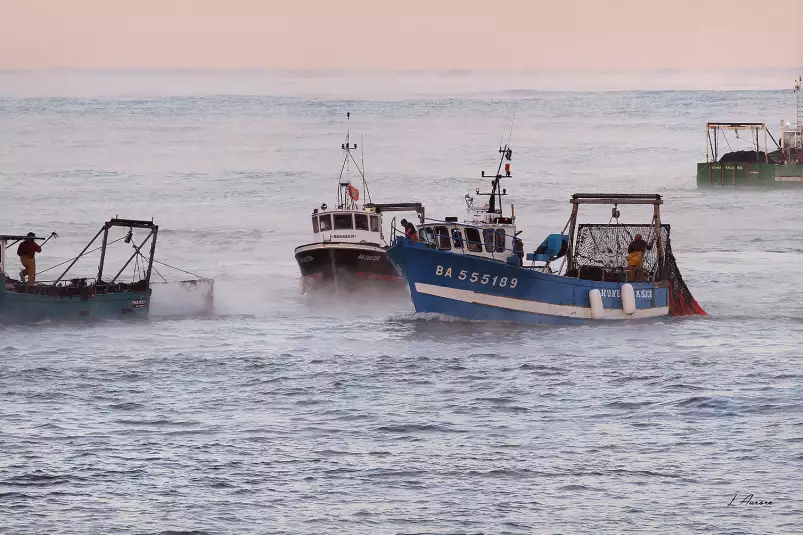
(496, 189)
(497, 192)
(345, 201)
(799, 112)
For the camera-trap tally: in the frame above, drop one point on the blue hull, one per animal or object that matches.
(475, 288)
(18, 307)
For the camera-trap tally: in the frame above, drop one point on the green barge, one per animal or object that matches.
(763, 165)
(760, 168)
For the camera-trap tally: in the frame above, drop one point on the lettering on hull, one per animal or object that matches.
(512, 282)
(477, 278)
(645, 293)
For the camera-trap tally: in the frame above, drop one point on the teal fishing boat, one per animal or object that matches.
(69, 297)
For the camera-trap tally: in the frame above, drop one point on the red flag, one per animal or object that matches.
(354, 193)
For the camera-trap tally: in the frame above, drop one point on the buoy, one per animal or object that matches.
(628, 299)
(597, 310)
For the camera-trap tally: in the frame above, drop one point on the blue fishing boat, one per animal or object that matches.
(477, 269)
(80, 298)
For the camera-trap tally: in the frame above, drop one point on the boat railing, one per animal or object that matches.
(508, 255)
(459, 245)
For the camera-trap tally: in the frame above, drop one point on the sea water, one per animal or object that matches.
(280, 414)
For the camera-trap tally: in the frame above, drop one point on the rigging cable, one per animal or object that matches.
(178, 269)
(510, 135)
(157, 272)
(77, 257)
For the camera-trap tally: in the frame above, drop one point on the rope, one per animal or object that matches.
(515, 105)
(727, 142)
(136, 263)
(567, 226)
(652, 228)
(77, 257)
(136, 268)
(157, 272)
(177, 269)
(144, 259)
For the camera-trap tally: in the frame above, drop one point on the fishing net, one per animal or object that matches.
(600, 253)
(681, 301)
(604, 247)
(183, 298)
(751, 156)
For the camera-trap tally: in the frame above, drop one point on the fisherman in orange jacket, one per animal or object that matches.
(26, 251)
(635, 257)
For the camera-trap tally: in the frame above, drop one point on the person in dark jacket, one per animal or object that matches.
(409, 230)
(518, 246)
(26, 251)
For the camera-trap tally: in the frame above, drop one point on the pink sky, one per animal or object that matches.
(393, 34)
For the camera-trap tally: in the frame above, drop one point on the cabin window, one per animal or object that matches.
(488, 235)
(374, 219)
(473, 242)
(360, 222)
(443, 238)
(315, 223)
(343, 221)
(326, 222)
(458, 238)
(499, 240)
(426, 233)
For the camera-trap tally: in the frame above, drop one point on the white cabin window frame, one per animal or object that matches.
(488, 238)
(340, 220)
(473, 243)
(364, 218)
(457, 239)
(427, 234)
(325, 222)
(373, 223)
(315, 226)
(499, 240)
(442, 239)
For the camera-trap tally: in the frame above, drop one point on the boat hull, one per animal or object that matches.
(747, 175)
(346, 268)
(475, 288)
(17, 307)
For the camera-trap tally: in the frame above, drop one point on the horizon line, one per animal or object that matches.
(401, 70)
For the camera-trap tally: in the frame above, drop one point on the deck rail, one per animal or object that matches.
(397, 233)
(453, 225)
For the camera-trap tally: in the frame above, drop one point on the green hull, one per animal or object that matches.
(753, 174)
(16, 307)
